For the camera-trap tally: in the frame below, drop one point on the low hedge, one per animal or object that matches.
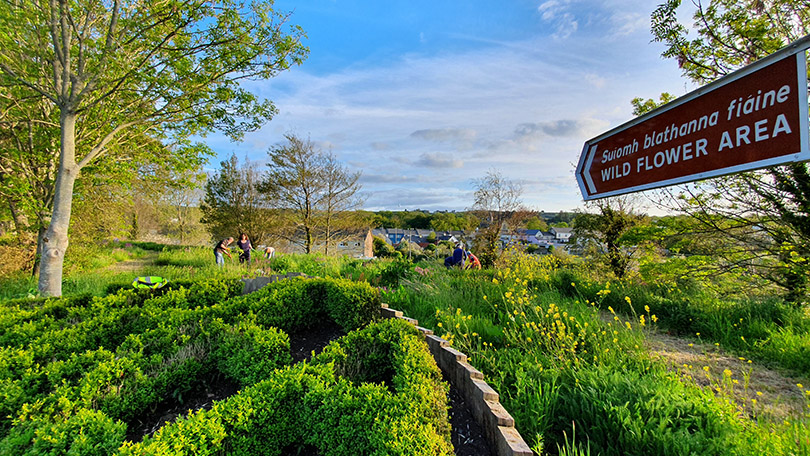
(299, 304)
(313, 405)
(105, 361)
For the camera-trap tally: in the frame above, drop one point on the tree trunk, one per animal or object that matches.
(55, 241)
(38, 256)
(308, 240)
(20, 220)
(326, 240)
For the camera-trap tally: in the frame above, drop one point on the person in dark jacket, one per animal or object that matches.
(222, 249)
(244, 244)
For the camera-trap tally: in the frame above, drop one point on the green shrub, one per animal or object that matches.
(84, 433)
(248, 353)
(308, 405)
(351, 305)
(111, 359)
(299, 304)
(391, 274)
(382, 249)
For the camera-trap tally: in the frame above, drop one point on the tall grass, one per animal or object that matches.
(768, 330)
(560, 365)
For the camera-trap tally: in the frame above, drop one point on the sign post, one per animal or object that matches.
(753, 118)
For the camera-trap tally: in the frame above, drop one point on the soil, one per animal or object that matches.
(303, 343)
(780, 397)
(171, 409)
(466, 436)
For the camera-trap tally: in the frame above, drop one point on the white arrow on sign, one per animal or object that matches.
(587, 170)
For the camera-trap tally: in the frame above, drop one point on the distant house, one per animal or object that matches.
(359, 245)
(561, 234)
(396, 235)
(419, 236)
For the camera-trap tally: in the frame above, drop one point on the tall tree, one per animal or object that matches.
(313, 191)
(233, 203)
(340, 203)
(295, 186)
(117, 71)
(608, 230)
(767, 211)
(498, 204)
(449, 221)
(29, 141)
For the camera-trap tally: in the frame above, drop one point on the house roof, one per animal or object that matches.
(561, 230)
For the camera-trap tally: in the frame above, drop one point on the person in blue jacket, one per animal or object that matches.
(458, 258)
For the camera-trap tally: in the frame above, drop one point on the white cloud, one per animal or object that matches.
(628, 22)
(445, 134)
(595, 80)
(561, 128)
(438, 161)
(423, 126)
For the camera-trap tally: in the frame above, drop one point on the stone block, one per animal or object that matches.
(390, 313)
(510, 443)
(410, 320)
(425, 331)
(256, 284)
(496, 415)
(435, 344)
(483, 392)
(465, 370)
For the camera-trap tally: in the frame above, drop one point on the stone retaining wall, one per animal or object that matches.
(497, 423)
(252, 285)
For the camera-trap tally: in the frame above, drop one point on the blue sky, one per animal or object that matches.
(425, 96)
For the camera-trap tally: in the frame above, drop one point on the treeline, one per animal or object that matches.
(460, 220)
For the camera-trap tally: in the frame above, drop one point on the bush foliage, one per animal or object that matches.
(76, 373)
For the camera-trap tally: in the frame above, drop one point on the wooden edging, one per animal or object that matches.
(497, 423)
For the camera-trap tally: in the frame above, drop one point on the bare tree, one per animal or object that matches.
(498, 203)
(316, 194)
(340, 203)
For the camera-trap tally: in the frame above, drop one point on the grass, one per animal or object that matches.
(572, 367)
(771, 331)
(566, 350)
(94, 269)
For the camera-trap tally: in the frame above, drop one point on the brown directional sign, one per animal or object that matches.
(750, 119)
